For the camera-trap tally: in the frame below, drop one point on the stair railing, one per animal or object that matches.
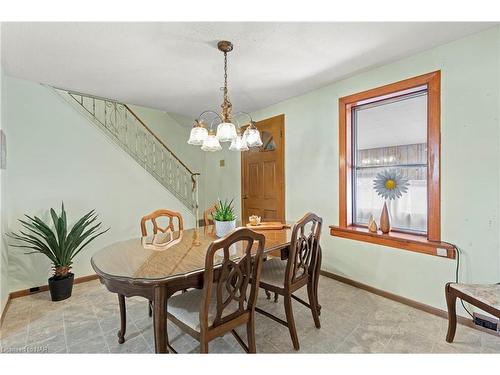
(125, 128)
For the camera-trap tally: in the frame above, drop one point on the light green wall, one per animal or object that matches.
(56, 155)
(223, 182)
(4, 259)
(470, 169)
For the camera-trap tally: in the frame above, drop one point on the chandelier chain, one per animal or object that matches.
(226, 104)
(225, 77)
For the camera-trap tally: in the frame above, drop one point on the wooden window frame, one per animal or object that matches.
(431, 242)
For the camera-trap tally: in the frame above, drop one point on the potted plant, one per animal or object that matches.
(59, 245)
(224, 218)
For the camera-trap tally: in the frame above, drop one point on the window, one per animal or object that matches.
(392, 128)
(391, 135)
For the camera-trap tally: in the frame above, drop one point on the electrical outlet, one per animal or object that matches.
(442, 252)
(222, 163)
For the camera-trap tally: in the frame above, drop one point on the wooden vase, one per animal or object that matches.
(372, 225)
(385, 224)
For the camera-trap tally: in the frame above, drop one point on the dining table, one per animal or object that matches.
(135, 268)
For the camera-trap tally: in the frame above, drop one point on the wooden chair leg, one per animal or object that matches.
(150, 309)
(123, 319)
(316, 278)
(312, 302)
(451, 301)
(251, 335)
(276, 297)
(268, 294)
(291, 322)
(203, 346)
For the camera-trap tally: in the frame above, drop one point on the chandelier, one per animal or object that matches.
(227, 131)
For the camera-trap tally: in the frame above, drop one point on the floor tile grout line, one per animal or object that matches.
(100, 327)
(347, 336)
(142, 335)
(396, 330)
(64, 329)
(28, 328)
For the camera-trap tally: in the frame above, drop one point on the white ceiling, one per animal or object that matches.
(177, 68)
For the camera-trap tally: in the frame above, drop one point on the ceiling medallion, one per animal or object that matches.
(226, 130)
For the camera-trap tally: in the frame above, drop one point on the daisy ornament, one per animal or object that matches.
(389, 184)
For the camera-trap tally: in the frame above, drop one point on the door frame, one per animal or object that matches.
(281, 117)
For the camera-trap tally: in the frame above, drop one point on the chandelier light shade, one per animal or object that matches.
(211, 143)
(198, 134)
(239, 144)
(226, 132)
(252, 136)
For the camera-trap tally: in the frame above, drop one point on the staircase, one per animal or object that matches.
(128, 131)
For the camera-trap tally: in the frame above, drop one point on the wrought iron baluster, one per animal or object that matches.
(125, 127)
(105, 114)
(115, 107)
(154, 156)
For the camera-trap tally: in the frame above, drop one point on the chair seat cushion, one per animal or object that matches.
(486, 293)
(273, 272)
(186, 307)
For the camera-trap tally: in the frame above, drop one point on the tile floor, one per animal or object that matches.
(353, 321)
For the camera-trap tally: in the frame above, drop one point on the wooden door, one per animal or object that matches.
(263, 174)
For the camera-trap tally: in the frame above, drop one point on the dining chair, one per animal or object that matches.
(484, 296)
(229, 293)
(153, 216)
(284, 277)
(158, 214)
(206, 215)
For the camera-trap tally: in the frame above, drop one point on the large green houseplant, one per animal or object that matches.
(60, 245)
(224, 218)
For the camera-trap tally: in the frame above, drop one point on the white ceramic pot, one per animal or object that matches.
(223, 228)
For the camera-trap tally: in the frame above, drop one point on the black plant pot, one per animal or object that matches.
(61, 289)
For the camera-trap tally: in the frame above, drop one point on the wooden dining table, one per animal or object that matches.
(131, 268)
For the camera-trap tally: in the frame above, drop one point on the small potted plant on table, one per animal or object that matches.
(60, 246)
(224, 218)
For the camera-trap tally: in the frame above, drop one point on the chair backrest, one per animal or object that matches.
(236, 281)
(206, 215)
(162, 213)
(304, 245)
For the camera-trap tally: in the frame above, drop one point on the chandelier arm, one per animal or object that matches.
(209, 111)
(212, 122)
(234, 120)
(245, 113)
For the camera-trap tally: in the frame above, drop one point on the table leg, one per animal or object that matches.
(316, 278)
(123, 319)
(160, 319)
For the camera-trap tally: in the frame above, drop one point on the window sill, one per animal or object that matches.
(405, 241)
